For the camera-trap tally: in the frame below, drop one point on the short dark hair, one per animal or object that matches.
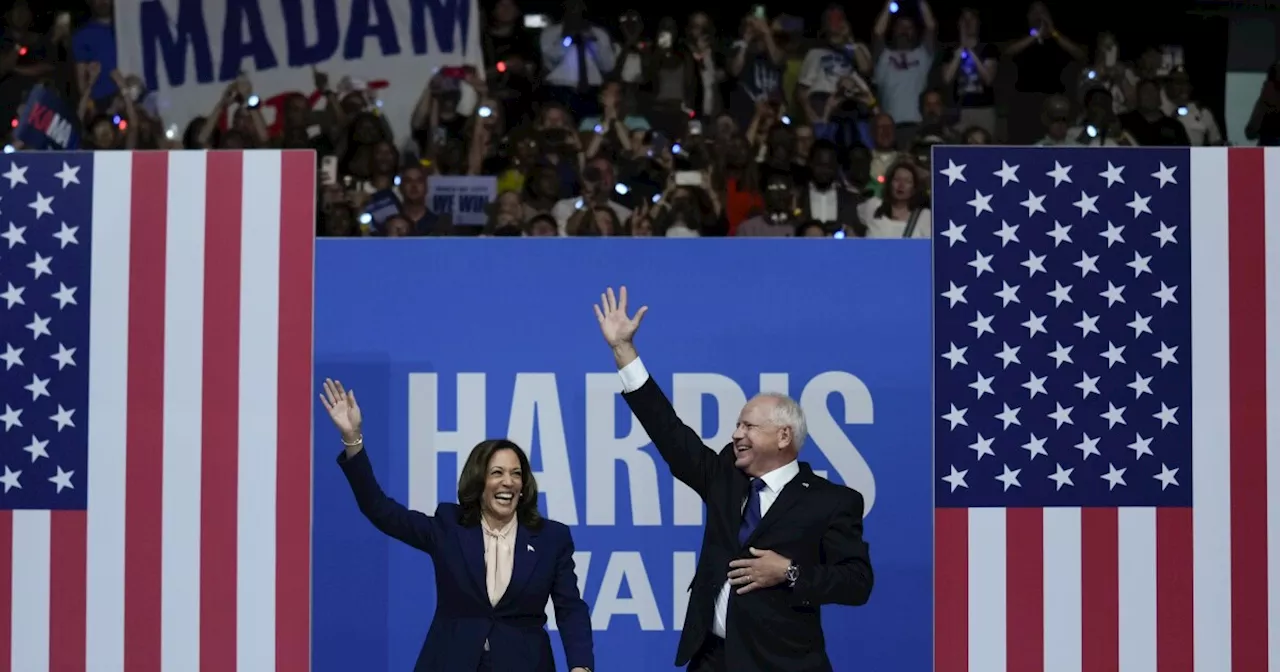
(474, 474)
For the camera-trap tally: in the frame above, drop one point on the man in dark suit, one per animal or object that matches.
(823, 198)
(780, 541)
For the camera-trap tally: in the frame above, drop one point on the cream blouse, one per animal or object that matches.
(499, 557)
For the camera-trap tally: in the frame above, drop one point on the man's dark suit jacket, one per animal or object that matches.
(813, 522)
(464, 618)
(846, 206)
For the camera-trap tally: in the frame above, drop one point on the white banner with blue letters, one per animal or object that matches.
(188, 51)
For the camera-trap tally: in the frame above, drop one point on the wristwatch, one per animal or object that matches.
(793, 573)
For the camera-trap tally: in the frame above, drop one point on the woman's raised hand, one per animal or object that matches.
(343, 409)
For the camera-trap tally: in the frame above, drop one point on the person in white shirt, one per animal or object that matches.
(1201, 126)
(598, 181)
(838, 61)
(903, 60)
(902, 211)
(576, 56)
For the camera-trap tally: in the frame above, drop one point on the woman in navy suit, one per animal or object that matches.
(497, 560)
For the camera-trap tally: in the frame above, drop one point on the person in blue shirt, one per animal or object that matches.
(95, 42)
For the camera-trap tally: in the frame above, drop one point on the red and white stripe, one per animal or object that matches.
(1141, 589)
(194, 553)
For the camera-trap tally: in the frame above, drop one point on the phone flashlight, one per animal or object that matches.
(622, 189)
(1182, 111)
(893, 8)
(485, 111)
(1093, 74)
(366, 218)
(252, 101)
(1091, 130)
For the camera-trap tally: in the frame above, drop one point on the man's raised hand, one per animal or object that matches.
(611, 312)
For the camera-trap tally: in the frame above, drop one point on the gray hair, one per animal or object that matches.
(787, 413)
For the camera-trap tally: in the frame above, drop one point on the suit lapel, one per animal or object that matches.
(526, 558)
(791, 494)
(473, 554)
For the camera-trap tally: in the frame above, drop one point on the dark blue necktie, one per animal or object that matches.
(751, 516)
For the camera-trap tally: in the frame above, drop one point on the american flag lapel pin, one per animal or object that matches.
(530, 547)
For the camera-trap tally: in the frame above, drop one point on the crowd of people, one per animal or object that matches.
(763, 128)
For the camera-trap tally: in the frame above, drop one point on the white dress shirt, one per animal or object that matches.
(824, 205)
(561, 60)
(633, 377)
(565, 208)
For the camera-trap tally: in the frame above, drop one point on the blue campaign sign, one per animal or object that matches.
(47, 122)
(448, 342)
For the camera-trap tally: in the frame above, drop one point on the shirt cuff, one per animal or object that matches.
(633, 375)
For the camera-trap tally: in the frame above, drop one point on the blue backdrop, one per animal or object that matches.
(449, 341)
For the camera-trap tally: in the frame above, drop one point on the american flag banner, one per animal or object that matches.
(155, 441)
(1104, 440)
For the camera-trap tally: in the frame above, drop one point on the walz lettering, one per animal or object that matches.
(247, 26)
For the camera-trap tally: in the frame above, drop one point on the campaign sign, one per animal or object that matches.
(467, 198)
(496, 337)
(47, 122)
(188, 51)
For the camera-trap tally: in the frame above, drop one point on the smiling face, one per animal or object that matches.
(503, 482)
(760, 445)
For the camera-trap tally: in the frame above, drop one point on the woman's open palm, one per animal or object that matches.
(616, 327)
(342, 407)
